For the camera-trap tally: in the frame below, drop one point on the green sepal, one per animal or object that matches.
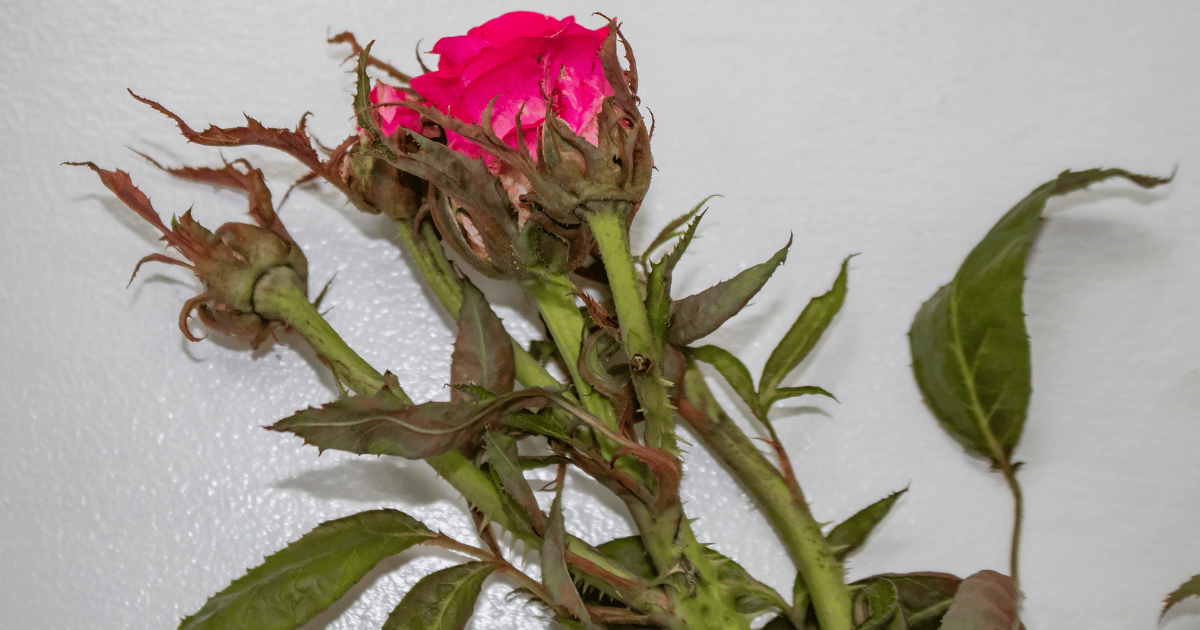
(295, 584)
(802, 336)
(442, 600)
(696, 316)
(1191, 588)
(850, 534)
(969, 344)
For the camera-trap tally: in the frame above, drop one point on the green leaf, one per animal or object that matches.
(698, 315)
(924, 596)
(969, 344)
(849, 535)
(734, 371)
(801, 337)
(985, 601)
(671, 229)
(630, 553)
(1191, 588)
(502, 454)
(784, 393)
(384, 425)
(483, 353)
(543, 423)
(883, 602)
(658, 285)
(295, 584)
(555, 576)
(442, 600)
(750, 596)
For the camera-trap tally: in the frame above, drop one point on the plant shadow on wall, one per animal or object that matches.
(525, 154)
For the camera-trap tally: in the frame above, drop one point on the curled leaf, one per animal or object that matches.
(442, 600)
(985, 601)
(296, 583)
(1191, 588)
(879, 607)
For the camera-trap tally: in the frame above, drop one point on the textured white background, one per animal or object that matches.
(136, 481)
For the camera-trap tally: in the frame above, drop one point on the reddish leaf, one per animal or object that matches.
(483, 353)
(293, 142)
(985, 601)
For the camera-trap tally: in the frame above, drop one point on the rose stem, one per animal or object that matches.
(608, 223)
(279, 295)
(426, 250)
(800, 533)
(556, 302)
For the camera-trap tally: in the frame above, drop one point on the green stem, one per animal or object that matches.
(1010, 475)
(431, 261)
(801, 534)
(554, 295)
(608, 223)
(279, 295)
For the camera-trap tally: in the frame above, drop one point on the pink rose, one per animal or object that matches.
(394, 117)
(525, 61)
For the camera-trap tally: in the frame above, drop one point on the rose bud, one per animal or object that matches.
(228, 262)
(546, 107)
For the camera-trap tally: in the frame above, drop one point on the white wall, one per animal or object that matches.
(136, 481)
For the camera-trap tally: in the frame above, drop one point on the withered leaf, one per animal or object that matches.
(384, 425)
(483, 353)
(1191, 588)
(985, 601)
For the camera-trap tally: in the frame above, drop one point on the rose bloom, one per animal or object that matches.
(526, 62)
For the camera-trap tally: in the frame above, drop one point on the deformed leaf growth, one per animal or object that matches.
(1191, 588)
(442, 600)
(296, 583)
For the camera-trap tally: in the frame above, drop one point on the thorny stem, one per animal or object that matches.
(608, 223)
(431, 262)
(800, 533)
(278, 295)
(554, 295)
